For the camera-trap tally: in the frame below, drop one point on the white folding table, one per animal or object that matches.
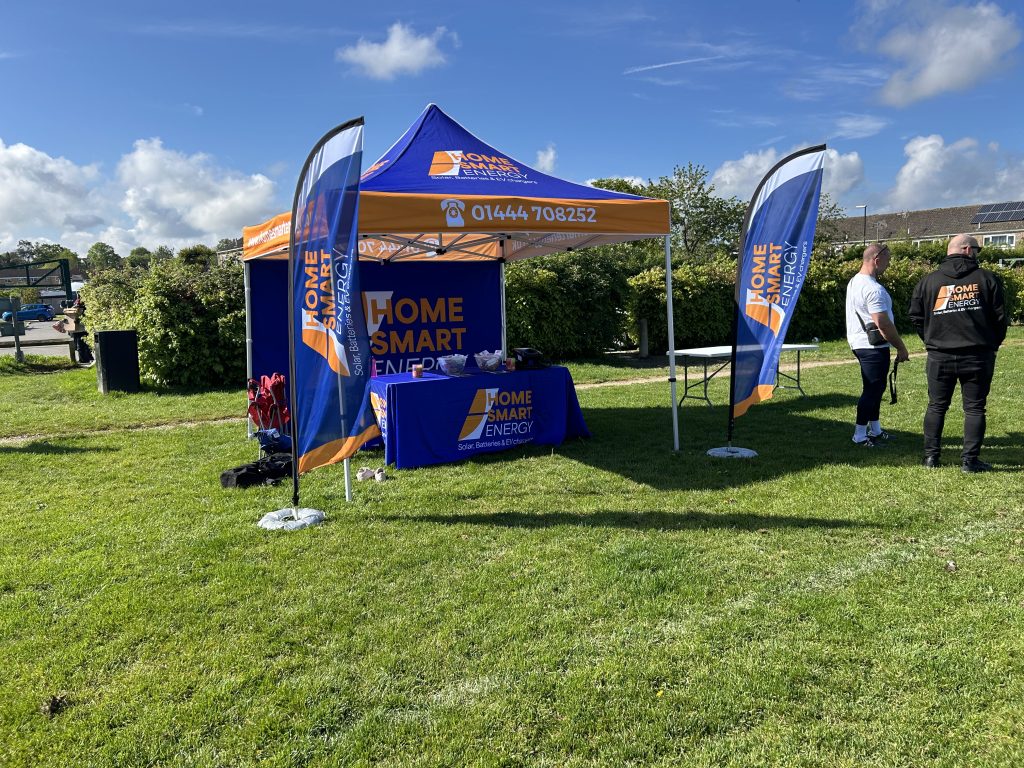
(722, 356)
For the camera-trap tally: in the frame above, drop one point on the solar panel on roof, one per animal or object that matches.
(999, 212)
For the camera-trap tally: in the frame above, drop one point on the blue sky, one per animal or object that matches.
(173, 123)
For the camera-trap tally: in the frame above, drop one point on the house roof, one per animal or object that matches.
(933, 223)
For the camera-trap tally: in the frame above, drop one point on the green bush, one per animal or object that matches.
(821, 309)
(1013, 280)
(703, 300)
(567, 305)
(190, 320)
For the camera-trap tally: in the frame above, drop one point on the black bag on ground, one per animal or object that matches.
(267, 471)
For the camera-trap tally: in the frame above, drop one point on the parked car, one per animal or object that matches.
(38, 312)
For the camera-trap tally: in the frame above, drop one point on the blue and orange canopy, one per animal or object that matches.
(440, 193)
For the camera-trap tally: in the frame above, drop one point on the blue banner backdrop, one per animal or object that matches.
(330, 348)
(418, 311)
(777, 242)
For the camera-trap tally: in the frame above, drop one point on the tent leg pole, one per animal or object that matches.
(248, 337)
(671, 342)
(348, 482)
(504, 327)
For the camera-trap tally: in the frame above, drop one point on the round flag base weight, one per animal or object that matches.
(732, 453)
(291, 519)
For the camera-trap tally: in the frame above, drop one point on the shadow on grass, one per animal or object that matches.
(183, 391)
(636, 443)
(624, 360)
(46, 448)
(35, 364)
(663, 521)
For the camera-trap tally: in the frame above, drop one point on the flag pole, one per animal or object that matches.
(799, 214)
(280, 518)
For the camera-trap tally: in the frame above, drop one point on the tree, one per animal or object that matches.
(51, 251)
(22, 254)
(139, 257)
(199, 255)
(102, 256)
(28, 251)
(702, 222)
(620, 185)
(827, 232)
(229, 244)
(163, 253)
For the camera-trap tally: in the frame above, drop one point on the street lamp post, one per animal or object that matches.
(865, 207)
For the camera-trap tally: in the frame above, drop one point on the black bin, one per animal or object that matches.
(117, 361)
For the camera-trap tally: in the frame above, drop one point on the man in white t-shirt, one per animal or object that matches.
(869, 305)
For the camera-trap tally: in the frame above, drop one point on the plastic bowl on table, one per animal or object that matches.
(488, 361)
(452, 365)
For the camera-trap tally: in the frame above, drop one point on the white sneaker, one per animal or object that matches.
(364, 473)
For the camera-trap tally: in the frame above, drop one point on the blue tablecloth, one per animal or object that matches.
(436, 418)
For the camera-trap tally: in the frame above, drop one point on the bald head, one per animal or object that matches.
(873, 251)
(963, 245)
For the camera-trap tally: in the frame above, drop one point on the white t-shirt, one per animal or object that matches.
(864, 297)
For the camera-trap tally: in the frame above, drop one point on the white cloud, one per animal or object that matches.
(681, 62)
(937, 174)
(40, 193)
(546, 159)
(740, 178)
(158, 197)
(822, 81)
(946, 49)
(858, 126)
(172, 196)
(402, 53)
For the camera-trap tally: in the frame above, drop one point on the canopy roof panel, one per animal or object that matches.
(467, 200)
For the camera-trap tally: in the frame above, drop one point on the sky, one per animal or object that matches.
(158, 123)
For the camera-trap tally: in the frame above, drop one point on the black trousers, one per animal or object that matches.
(974, 374)
(874, 370)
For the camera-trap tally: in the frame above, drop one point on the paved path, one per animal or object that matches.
(39, 339)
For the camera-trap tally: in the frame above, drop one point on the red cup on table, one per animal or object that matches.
(510, 363)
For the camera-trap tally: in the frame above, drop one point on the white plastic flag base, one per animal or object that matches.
(732, 453)
(291, 519)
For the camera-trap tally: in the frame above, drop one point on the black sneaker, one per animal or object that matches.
(882, 436)
(931, 462)
(971, 466)
(868, 443)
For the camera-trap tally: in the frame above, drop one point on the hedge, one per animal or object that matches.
(567, 305)
(190, 320)
(703, 300)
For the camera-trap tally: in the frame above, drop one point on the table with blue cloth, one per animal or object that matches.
(435, 418)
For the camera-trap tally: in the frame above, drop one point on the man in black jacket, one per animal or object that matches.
(959, 313)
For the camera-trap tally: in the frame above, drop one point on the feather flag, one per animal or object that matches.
(330, 360)
(778, 235)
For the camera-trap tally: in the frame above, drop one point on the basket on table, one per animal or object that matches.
(452, 365)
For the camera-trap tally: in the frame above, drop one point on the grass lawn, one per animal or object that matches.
(605, 603)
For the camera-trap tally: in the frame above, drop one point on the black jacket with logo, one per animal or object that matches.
(959, 307)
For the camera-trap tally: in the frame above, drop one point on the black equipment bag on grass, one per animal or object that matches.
(267, 471)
